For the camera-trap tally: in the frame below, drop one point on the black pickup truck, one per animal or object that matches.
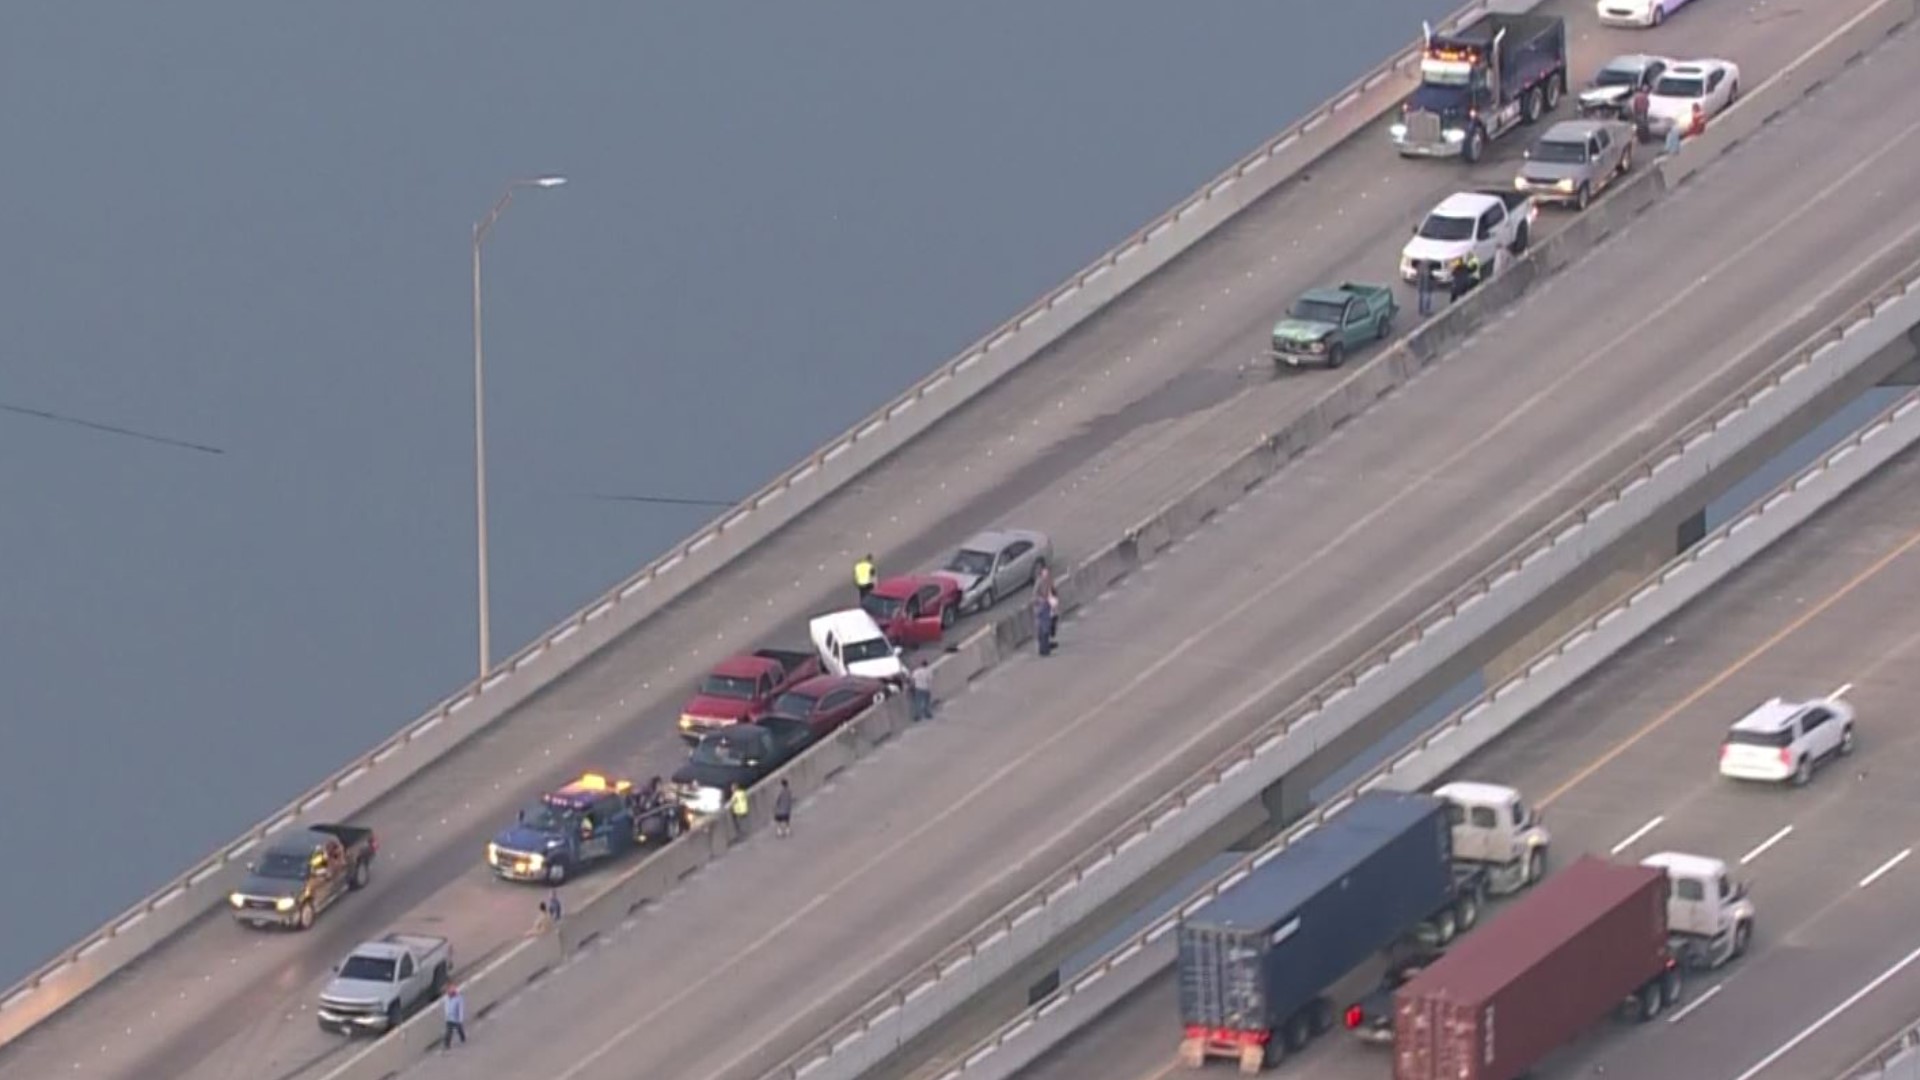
(302, 873)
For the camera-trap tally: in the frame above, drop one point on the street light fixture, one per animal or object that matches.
(480, 231)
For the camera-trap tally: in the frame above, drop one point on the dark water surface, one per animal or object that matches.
(244, 227)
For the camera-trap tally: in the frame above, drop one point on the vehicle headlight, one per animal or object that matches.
(686, 721)
(1399, 131)
(285, 903)
(536, 860)
(1456, 135)
(1319, 346)
(493, 854)
(1520, 183)
(1564, 185)
(237, 900)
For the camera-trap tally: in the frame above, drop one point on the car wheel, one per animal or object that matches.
(987, 600)
(439, 983)
(1626, 160)
(1384, 329)
(1336, 355)
(556, 872)
(1742, 935)
(362, 873)
(1521, 239)
(948, 615)
(1846, 740)
(303, 919)
(1803, 772)
(1584, 198)
(1659, 14)
(1536, 866)
(1733, 93)
(393, 1015)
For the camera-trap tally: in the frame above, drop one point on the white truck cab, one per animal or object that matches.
(850, 642)
(1494, 827)
(1709, 917)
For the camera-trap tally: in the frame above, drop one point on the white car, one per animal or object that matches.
(850, 642)
(1637, 12)
(1708, 87)
(1783, 740)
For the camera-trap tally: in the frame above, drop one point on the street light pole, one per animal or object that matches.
(480, 231)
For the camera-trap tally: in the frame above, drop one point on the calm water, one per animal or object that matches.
(244, 228)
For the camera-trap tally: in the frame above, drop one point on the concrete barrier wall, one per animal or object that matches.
(356, 786)
(983, 649)
(1443, 748)
(1897, 1060)
(998, 946)
(930, 993)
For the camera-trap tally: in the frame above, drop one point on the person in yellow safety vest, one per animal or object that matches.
(864, 573)
(738, 807)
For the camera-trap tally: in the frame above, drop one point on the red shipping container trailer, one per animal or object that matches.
(1585, 941)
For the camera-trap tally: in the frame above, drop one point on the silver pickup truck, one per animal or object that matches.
(381, 982)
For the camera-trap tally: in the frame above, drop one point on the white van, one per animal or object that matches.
(851, 643)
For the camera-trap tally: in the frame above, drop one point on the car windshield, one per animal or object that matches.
(1689, 86)
(732, 687)
(880, 607)
(543, 817)
(791, 704)
(284, 866)
(1617, 76)
(870, 649)
(1441, 227)
(725, 753)
(369, 968)
(1308, 310)
(968, 561)
(1554, 152)
(1774, 739)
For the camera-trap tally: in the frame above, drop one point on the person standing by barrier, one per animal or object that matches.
(453, 1007)
(783, 810)
(1466, 274)
(1423, 286)
(865, 573)
(1043, 625)
(737, 808)
(920, 682)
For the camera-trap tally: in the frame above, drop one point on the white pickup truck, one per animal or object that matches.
(1481, 222)
(381, 982)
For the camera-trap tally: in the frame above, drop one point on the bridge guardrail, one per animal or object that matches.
(120, 940)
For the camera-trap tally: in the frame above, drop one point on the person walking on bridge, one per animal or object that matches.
(454, 1008)
(864, 575)
(783, 810)
(737, 809)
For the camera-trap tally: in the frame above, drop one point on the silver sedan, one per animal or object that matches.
(995, 563)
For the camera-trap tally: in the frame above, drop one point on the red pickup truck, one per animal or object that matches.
(743, 688)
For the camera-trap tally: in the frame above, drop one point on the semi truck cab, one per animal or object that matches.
(1709, 915)
(1496, 829)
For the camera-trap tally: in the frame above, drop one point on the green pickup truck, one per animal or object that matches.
(1324, 324)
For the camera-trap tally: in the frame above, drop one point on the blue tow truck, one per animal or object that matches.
(589, 820)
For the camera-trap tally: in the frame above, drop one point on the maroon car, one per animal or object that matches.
(914, 609)
(825, 702)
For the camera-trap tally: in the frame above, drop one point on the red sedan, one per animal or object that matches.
(914, 609)
(825, 702)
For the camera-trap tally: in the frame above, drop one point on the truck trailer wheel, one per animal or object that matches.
(1556, 85)
(1445, 926)
(1468, 910)
(1672, 987)
(1651, 1002)
(1530, 106)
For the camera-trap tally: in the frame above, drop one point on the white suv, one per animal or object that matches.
(1784, 740)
